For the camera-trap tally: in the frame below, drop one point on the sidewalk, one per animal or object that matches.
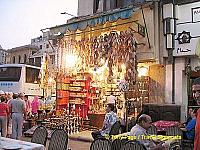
(82, 136)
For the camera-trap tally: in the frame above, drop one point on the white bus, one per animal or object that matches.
(20, 78)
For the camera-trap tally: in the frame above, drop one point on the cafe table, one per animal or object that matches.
(162, 125)
(11, 144)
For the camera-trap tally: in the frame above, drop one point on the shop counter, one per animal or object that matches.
(96, 119)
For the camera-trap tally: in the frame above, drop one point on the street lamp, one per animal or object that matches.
(65, 13)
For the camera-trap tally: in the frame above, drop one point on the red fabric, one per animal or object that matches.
(4, 109)
(162, 125)
(197, 132)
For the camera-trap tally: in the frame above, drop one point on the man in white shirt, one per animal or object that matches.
(111, 99)
(140, 132)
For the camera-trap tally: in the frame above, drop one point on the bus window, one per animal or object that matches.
(32, 75)
(10, 73)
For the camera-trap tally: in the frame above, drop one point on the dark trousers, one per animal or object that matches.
(96, 134)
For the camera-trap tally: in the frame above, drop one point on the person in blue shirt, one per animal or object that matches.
(109, 120)
(190, 127)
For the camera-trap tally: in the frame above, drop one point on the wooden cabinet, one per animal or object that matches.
(168, 112)
(96, 120)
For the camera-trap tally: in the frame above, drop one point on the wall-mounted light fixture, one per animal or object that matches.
(142, 71)
(169, 18)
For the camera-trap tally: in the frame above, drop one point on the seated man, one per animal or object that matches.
(109, 120)
(188, 133)
(140, 132)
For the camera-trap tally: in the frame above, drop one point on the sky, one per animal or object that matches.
(22, 20)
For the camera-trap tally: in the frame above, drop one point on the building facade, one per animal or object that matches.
(47, 45)
(3, 55)
(21, 55)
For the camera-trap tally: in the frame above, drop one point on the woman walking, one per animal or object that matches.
(4, 114)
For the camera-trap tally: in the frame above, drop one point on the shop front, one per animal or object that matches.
(108, 54)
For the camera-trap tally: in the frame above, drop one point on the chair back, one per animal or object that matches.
(175, 146)
(133, 145)
(100, 144)
(40, 135)
(174, 131)
(117, 144)
(152, 130)
(59, 140)
(115, 129)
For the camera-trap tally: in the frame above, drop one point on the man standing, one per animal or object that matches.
(196, 95)
(18, 110)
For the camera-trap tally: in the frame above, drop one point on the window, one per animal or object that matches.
(47, 45)
(52, 58)
(54, 41)
(38, 61)
(40, 46)
(19, 59)
(31, 61)
(95, 6)
(10, 73)
(25, 58)
(13, 59)
(32, 75)
(33, 52)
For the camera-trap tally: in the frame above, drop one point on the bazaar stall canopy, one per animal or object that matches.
(84, 21)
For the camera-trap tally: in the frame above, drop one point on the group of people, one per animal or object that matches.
(144, 122)
(14, 109)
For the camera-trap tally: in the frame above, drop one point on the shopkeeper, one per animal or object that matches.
(111, 99)
(109, 120)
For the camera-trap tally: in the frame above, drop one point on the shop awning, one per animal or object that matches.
(92, 20)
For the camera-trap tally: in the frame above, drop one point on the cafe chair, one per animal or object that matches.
(117, 144)
(116, 128)
(188, 143)
(100, 144)
(174, 131)
(40, 135)
(175, 146)
(133, 145)
(59, 140)
(152, 130)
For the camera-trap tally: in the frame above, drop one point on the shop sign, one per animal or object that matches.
(196, 14)
(187, 39)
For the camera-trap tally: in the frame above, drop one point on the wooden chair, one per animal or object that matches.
(100, 144)
(117, 144)
(133, 145)
(152, 130)
(40, 135)
(59, 140)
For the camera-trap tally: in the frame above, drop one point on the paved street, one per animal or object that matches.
(77, 145)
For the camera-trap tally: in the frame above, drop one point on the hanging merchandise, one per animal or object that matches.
(110, 50)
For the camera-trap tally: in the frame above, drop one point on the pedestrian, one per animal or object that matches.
(35, 105)
(18, 109)
(4, 114)
(2, 93)
(9, 98)
(28, 106)
(196, 95)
